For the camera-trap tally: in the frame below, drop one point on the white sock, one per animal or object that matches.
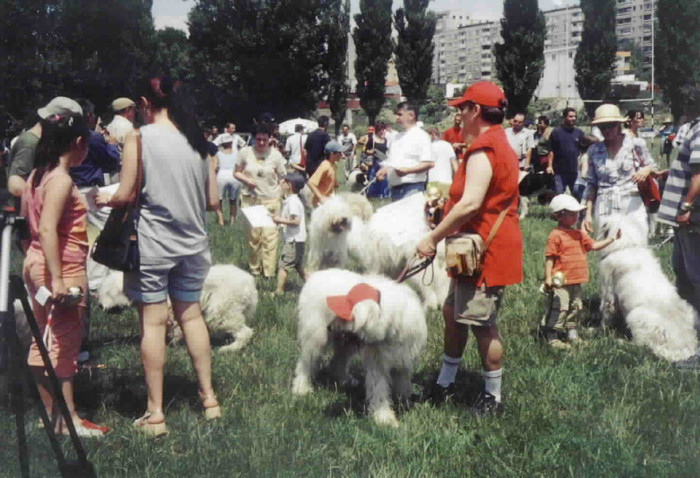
(448, 372)
(572, 334)
(492, 382)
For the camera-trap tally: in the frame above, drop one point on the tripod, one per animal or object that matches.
(13, 361)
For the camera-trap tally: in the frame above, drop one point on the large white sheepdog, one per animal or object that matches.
(389, 335)
(382, 244)
(633, 284)
(229, 298)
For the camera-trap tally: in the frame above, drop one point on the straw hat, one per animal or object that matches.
(608, 114)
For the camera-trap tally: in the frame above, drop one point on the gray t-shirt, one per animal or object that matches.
(22, 155)
(173, 197)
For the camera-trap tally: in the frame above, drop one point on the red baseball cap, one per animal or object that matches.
(342, 305)
(482, 93)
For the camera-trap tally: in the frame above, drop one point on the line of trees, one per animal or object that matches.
(243, 57)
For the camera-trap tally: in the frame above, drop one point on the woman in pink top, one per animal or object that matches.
(55, 258)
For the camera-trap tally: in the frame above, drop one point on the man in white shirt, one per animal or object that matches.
(446, 163)
(349, 141)
(520, 138)
(123, 122)
(230, 129)
(410, 156)
(294, 147)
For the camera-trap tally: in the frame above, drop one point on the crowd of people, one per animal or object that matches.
(174, 171)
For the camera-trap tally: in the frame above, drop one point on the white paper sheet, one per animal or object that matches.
(258, 216)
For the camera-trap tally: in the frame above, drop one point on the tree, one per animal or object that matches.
(173, 54)
(415, 27)
(638, 66)
(110, 45)
(677, 56)
(520, 58)
(595, 56)
(31, 60)
(256, 56)
(336, 24)
(434, 110)
(373, 46)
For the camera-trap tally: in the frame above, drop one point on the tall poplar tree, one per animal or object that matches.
(373, 46)
(677, 57)
(520, 58)
(595, 57)
(336, 21)
(415, 26)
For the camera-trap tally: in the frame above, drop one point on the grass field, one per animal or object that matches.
(605, 409)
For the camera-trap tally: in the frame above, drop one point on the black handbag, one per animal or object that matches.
(117, 246)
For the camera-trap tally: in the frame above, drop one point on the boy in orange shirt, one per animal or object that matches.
(323, 182)
(565, 269)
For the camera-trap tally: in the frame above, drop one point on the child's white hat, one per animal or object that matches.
(564, 202)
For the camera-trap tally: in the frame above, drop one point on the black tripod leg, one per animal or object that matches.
(17, 287)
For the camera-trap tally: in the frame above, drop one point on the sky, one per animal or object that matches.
(173, 13)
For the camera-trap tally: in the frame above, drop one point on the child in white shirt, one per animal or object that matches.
(292, 219)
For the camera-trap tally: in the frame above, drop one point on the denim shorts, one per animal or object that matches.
(181, 278)
(407, 189)
(228, 185)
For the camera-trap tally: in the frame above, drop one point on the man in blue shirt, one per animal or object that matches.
(102, 157)
(564, 152)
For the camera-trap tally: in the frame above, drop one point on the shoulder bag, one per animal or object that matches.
(464, 252)
(117, 245)
(648, 189)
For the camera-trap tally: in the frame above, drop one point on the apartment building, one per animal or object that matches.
(634, 26)
(465, 54)
(564, 30)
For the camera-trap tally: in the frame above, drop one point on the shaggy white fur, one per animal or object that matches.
(337, 234)
(391, 336)
(631, 281)
(229, 298)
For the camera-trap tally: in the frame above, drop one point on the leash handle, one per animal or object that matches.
(411, 268)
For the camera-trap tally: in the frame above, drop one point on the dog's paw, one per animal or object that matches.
(301, 386)
(385, 417)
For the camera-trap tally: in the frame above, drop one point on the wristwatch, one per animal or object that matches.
(685, 207)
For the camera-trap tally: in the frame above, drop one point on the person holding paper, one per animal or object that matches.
(410, 156)
(260, 168)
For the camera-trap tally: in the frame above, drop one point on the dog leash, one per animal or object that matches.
(413, 267)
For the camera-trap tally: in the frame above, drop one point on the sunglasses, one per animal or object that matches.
(607, 126)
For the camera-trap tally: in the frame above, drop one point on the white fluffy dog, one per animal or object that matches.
(632, 282)
(337, 233)
(391, 335)
(229, 298)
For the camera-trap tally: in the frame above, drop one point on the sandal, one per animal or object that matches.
(211, 412)
(151, 429)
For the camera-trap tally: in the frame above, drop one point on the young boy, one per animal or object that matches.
(292, 219)
(565, 269)
(323, 182)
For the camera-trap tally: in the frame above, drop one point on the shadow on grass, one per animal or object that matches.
(124, 391)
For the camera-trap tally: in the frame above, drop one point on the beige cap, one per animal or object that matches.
(60, 105)
(121, 104)
(608, 114)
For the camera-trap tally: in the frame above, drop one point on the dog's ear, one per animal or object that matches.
(364, 314)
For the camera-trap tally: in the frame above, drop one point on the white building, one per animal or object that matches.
(564, 30)
(465, 54)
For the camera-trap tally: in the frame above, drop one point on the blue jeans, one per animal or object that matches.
(561, 181)
(686, 263)
(403, 190)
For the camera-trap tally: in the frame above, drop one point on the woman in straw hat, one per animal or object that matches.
(615, 167)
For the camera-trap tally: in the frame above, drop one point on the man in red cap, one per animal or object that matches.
(484, 190)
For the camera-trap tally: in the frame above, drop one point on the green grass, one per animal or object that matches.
(606, 409)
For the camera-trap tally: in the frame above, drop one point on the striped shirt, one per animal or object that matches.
(568, 248)
(679, 178)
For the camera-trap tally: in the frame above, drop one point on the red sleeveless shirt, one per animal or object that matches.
(503, 261)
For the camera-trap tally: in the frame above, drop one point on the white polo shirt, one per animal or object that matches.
(408, 149)
(521, 142)
(443, 154)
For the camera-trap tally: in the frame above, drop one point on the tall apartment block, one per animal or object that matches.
(634, 26)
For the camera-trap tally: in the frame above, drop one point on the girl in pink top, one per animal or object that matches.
(55, 258)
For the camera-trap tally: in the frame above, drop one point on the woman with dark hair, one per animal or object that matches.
(177, 187)
(260, 168)
(484, 193)
(635, 122)
(55, 258)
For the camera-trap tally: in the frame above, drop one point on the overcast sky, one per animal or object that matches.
(173, 13)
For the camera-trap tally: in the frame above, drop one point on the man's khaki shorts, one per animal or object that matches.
(472, 305)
